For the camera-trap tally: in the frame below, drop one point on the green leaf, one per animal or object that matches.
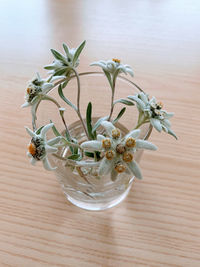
(64, 84)
(58, 56)
(39, 130)
(75, 149)
(60, 92)
(124, 101)
(89, 154)
(74, 157)
(108, 77)
(56, 132)
(119, 115)
(78, 51)
(60, 71)
(66, 48)
(89, 120)
(98, 123)
(49, 67)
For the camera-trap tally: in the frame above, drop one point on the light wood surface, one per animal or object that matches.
(159, 222)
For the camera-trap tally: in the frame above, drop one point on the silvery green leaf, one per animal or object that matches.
(60, 92)
(134, 168)
(58, 56)
(78, 51)
(98, 123)
(124, 101)
(61, 71)
(66, 48)
(119, 115)
(156, 124)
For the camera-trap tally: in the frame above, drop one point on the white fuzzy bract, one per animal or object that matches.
(39, 147)
(111, 66)
(151, 110)
(118, 152)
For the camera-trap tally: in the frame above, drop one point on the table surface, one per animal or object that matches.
(159, 222)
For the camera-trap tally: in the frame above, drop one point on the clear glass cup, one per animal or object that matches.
(82, 185)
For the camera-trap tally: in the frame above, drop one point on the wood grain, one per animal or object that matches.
(159, 222)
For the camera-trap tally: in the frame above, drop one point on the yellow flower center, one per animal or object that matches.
(32, 149)
(110, 155)
(28, 90)
(116, 60)
(120, 168)
(116, 133)
(127, 157)
(106, 143)
(160, 105)
(130, 142)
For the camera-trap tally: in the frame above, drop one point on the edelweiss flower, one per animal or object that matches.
(118, 152)
(153, 112)
(112, 66)
(62, 62)
(39, 147)
(36, 88)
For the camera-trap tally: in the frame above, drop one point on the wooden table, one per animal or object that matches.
(159, 222)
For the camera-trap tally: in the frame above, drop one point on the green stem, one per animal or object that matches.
(78, 102)
(61, 114)
(113, 94)
(140, 124)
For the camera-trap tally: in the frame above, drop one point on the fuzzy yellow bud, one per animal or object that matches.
(130, 142)
(116, 133)
(106, 143)
(127, 157)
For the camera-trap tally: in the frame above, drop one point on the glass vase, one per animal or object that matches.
(82, 185)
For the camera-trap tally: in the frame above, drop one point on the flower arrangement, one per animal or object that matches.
(108, 150)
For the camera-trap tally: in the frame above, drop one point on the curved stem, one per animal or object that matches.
(97, 72)
(78, 102)
(58, 105)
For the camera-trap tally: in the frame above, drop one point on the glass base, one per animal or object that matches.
(98, 206)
